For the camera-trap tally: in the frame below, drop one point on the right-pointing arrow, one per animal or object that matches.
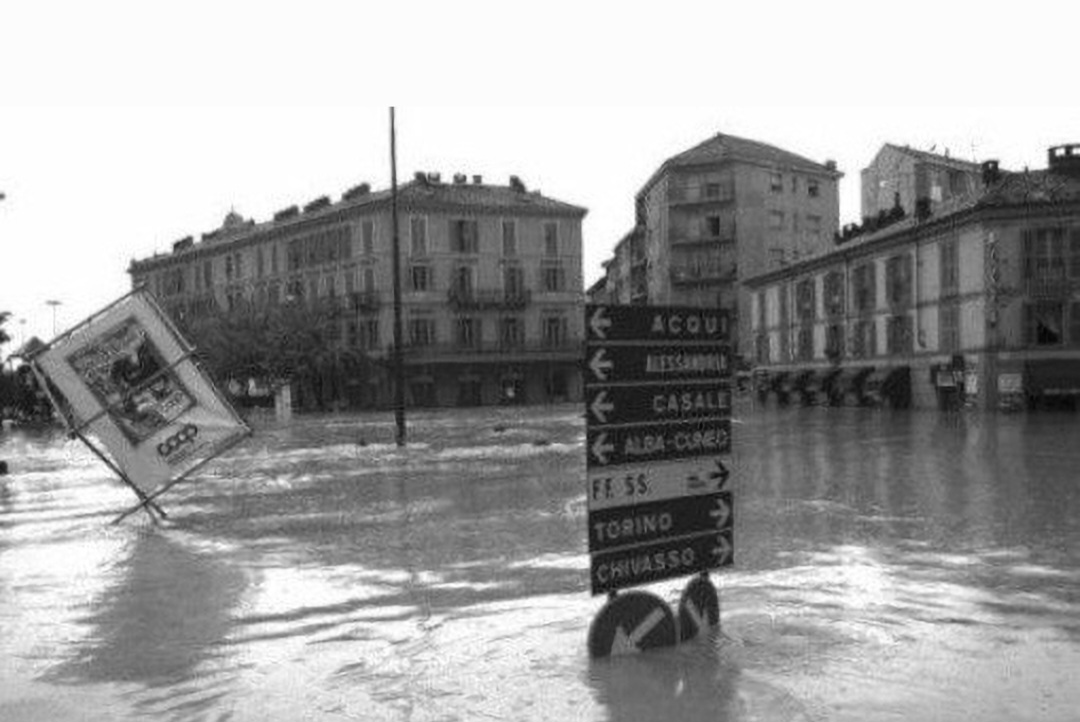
(722, 550)
(721, 513)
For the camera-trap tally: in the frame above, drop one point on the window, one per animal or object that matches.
(1043, 324)
(794, 184)
(259, 262)
(421, 331)
(554, 331)
(712, 226)
(899, 338)
(834, 294)
(468, 332)
(864, 287)
(554, 278)
(1074, 254)
(418, 235)
(783, 312)
(330, 283)
(369, 333)
(813, 188)
(1074, 325)
(804, 300)
(509, 238)
(513, 281)
(551, 239)
(864, 339)
(239, 266)
(420, 278)
(229, 268)
(367, 238)
(463, 281)
(806, 342)
(464, 236)
(898, 280)
(712, 190)
(350, 281)
(776, 220)
(776, 183)
(761, 346)
(208, 274)
(950, 267)
(273, 259)
(949, 328)
(834, 341)
(369, 279)
(511, 332)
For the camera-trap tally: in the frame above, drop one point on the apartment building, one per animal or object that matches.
(898, 175)
(722, 211)
(974, 300)
(492, 287)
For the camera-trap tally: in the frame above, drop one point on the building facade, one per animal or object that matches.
(492, 287)
(724, 210)
(976, 302)
(899, 175)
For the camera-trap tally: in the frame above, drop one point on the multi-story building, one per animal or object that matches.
(724, 210)
(975, 299)
(899, 175)
(491, 285)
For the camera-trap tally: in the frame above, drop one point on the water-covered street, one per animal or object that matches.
(888, 566)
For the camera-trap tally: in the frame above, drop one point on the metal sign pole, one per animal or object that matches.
(399, 368)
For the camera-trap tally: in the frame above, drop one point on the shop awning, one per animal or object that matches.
(1053, 377)
(828, 378)
(852, 378)
(803, 379)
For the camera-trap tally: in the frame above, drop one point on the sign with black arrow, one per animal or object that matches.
(648, 563)
(633, 525)
(657, 442)
(657, 323)
(666, 362)
(668, 402)
(644, 483)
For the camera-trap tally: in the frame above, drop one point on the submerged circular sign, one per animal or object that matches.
(630, 623)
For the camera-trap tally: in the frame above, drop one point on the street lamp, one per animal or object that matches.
(54, 303)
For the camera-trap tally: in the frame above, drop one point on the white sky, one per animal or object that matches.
(124, 127)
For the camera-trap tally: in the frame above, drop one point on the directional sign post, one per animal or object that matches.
(658, 410)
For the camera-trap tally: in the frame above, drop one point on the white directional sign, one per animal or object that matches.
(643, 483)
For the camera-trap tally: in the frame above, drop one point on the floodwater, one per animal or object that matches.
(889, 566)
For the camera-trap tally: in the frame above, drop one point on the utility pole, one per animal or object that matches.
(399, 367)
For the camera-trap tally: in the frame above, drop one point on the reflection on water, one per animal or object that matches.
(888, 566)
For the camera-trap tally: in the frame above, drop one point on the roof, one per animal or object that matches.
(1028, 190)
(930, 157)
(415, 194)
(731, 148)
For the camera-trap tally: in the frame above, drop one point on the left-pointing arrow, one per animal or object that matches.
(599, 323)
(600, 365)
(600, 449)
(601, 407)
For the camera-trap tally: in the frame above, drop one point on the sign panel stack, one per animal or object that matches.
(658, 409)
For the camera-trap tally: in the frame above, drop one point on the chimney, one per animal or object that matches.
(1065, 159)
(991, 174)
(516, 184)
(477, 179)
(830, 165)
(434, 178)
(460, 178)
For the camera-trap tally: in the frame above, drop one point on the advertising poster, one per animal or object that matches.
(129, 381)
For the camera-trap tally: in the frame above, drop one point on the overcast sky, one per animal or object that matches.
(123, 128)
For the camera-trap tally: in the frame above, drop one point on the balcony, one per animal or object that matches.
(708, 193)
(702, 273)
(686, 238)
(462, 299)
(364, 301)
(494, 351)
(1048, 286)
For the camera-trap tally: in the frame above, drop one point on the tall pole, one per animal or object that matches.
(54, 304)
(399, 366)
